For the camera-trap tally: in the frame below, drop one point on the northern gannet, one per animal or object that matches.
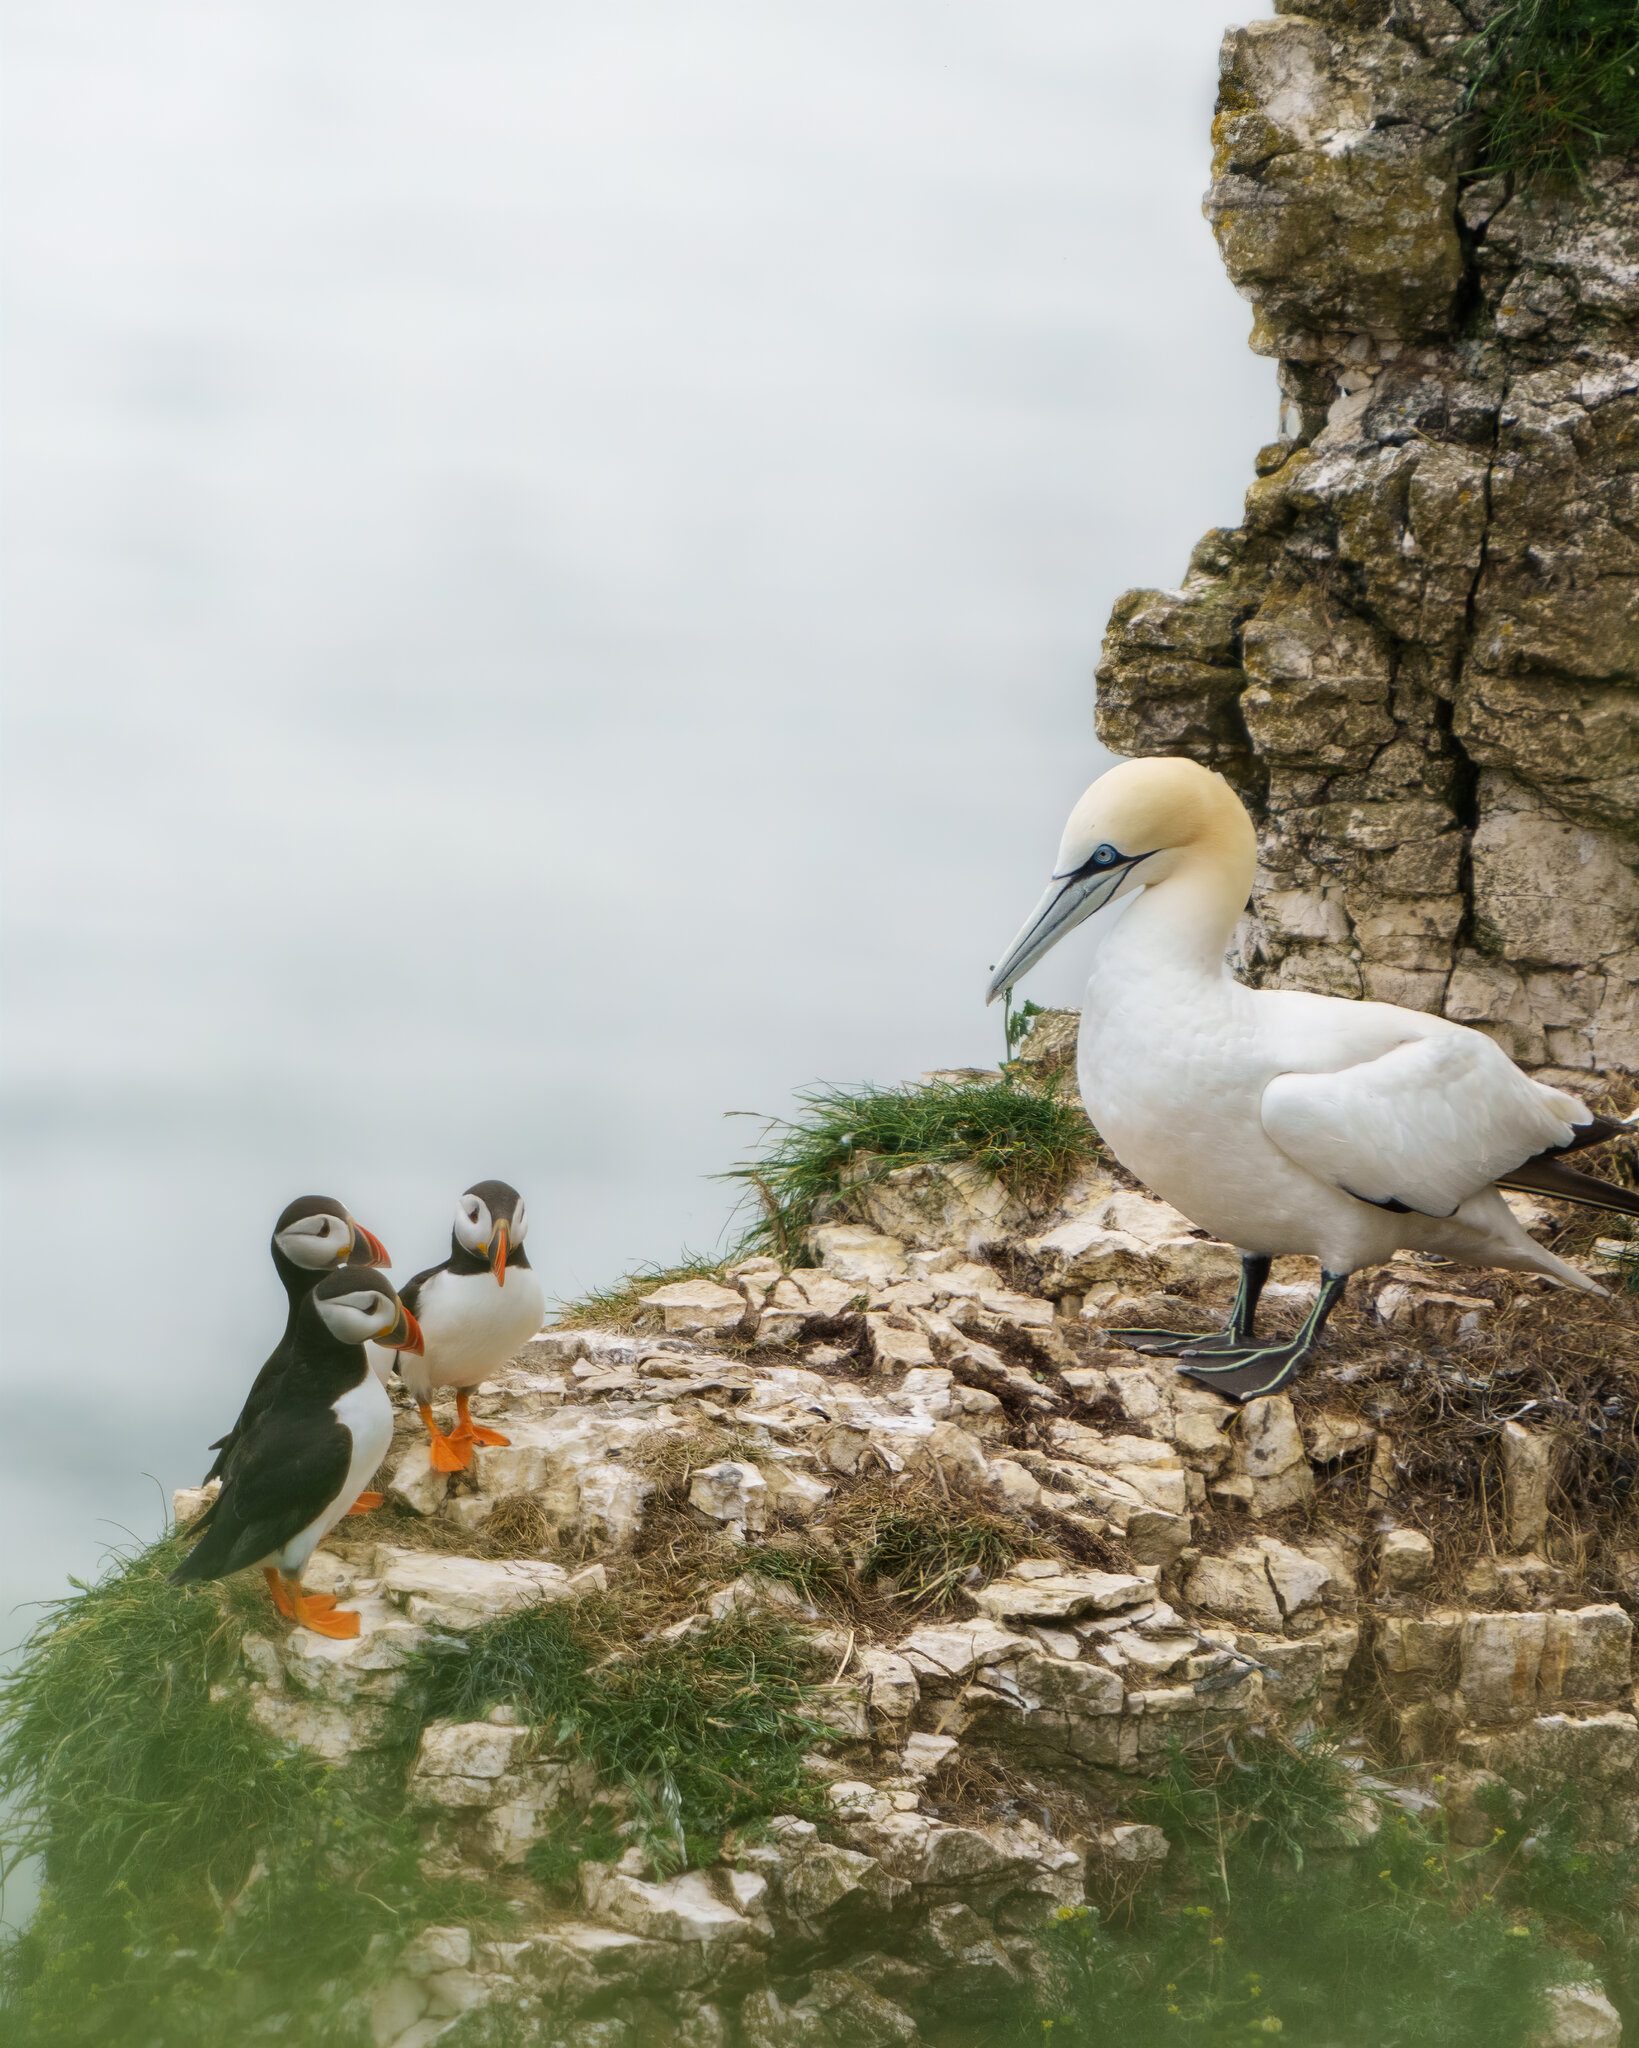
(304, 1461)
(478, 1309)
(313, 1236)
(1280, 1121)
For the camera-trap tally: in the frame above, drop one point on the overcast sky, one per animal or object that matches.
(555, 555)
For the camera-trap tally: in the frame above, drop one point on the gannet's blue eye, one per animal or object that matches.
(1103, 856)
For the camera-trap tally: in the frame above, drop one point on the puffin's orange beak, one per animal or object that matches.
(497, 1254)
(405, 1335)
(369, 1242)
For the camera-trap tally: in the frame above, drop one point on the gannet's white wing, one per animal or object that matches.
(1423, 1126)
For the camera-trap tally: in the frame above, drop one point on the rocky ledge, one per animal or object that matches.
(1431, 1538)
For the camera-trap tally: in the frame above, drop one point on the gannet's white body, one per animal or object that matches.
(1280, 1121)
(1254, 1110)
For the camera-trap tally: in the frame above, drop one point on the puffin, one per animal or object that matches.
(314, 1443)
(1279, 1120)
(314, 1235)
(476, 1310)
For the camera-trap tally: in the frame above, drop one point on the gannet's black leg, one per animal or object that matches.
(1236, 1334)
(1256, 1369)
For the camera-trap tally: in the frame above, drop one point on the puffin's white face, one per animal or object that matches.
(362, 1312)
(474, 1225)
(486, 1227)
(318, 1243)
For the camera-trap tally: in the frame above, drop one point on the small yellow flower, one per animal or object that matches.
(1385, 1877)
(1063, 1913)
(1270, 2025)
(1175, 2010)
(1217, 1941)
(1171, 1988)
(1520, 1933)
(1498, 1833)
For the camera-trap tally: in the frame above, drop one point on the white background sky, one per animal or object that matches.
(555, 555)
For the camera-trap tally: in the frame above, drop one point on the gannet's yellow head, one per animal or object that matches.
(1135, 827)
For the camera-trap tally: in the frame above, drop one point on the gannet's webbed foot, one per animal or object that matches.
(1251, 1370)
(1236, 1334)
(1173, 1343)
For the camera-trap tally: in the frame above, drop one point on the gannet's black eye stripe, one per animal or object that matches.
(1101, 861)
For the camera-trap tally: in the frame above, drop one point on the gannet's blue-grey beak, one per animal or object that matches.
(1068, 900)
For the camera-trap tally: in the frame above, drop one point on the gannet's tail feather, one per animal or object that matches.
(1549, 1175)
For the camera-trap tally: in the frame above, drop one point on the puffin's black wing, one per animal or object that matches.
(410, 1292)
(256, 1404)
(410, 1295)
(281, 1479)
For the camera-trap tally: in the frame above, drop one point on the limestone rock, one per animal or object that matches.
(1526, 1465)
(1235, 1586)
(731, 1492)
(460, 1592)
(855, 1253)
(1416, 654)
(837, 2007)
(949, 1654)
(709, 1908)
(1405, 1561)
(1270, 1454)
(1040, 1591)
(1334, 179)
(1578, 2016)
(459, 1762)
(698, 1307)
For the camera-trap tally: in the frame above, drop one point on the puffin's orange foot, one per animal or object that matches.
(447, 1453)
(476, 1433)
(321, 1614)
(470, 1432)
(367, 1500)
(281, 1599)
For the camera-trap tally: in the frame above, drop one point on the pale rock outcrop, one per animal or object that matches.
(1417, 655)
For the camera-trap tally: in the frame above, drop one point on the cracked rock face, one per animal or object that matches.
(1418, 656)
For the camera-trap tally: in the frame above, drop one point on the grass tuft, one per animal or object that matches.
(620, 1306)
(701, 1733)
(192, 1866)
(1557, 86)
(1032, 1143)
(1408, 1941)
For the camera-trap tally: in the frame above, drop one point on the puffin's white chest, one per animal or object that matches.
(366, 1413)
(471, 1327)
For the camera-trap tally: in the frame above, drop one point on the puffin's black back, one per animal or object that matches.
(298, 1283)
(284, 1471)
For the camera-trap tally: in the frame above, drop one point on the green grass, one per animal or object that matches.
(1557, 87)
(821, 1577)
(930, 1556)
(191, 1864)
(619, 1307)
(1032, 1143)
(906, 1542)
(698, 1735)
(1272, 1796)
(1407, 1942)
